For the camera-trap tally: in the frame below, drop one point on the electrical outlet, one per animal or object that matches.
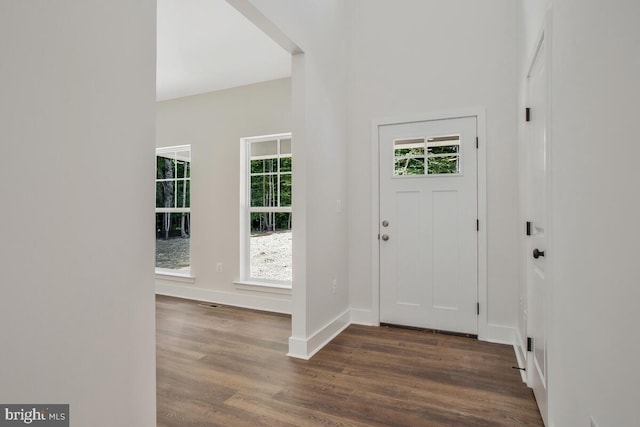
(334, 285)
(219, 267)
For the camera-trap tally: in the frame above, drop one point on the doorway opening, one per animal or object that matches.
(430, 218)
(212, 131)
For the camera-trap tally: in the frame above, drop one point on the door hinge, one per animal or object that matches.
(477, 142)
(529, 344)
(528, 228)
(527, 114)
(478, 309)
(477, 225)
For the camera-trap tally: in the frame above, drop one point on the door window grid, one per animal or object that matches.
(442, 156)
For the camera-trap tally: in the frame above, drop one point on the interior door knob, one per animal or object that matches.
(537, 254)
(384, 237)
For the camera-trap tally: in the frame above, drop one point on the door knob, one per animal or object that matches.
(384, 237)
(385, 223)
(537, 254)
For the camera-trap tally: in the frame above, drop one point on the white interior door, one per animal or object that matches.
(428, 224)
(536, 210)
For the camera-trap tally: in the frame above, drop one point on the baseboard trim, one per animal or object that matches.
(498, 334)
(301, 348)
(253, 302)
(363, 317)
(521, 356)
(298, 348)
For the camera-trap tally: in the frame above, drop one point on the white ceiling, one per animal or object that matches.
(206, 45)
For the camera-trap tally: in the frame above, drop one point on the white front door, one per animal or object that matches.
(428, 224)
(536, 211)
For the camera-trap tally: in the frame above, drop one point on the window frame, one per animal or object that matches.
(246, 209)
(175, 149)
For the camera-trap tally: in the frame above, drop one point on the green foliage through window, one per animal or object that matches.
(442, 156)
(270, 185)
(173, 207)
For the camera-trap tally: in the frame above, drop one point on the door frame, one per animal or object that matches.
(480, 115)
(542, 40)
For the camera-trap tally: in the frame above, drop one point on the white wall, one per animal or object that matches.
(429, 56)
(213, 124)
(320, 177)
(595, 340)
(77, 132)
(383, 66)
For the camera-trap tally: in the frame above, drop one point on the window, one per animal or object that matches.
(442, 156)
(266, 210)
(173, 209)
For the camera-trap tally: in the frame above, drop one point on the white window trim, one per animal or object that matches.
(268, 287)
(166, 273)
(175, 276)
(246, 281)
(175, 148)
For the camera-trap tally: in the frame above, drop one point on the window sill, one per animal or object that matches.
(175, 276)
(272, 288)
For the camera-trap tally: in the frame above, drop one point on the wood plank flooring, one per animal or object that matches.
(225, 366)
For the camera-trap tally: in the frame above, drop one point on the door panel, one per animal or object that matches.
(408, 205)
(446, 256)
(428, 250)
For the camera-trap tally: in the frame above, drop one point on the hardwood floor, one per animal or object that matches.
(225, 366)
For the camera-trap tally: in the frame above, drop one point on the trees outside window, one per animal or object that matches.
(173, 209)
(266, 209)
(442, 156)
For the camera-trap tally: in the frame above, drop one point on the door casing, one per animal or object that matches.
(542, 52)
(484, 331)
